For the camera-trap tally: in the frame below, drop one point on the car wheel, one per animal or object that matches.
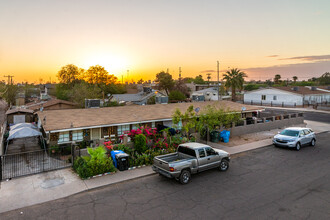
(185, 177)
(298, 146)
(312, 142)
(224, 165)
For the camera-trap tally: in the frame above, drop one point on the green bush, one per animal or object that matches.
(177, 96)
(97, 163)
(140, 143)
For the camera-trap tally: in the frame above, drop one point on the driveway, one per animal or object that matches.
(268, 183)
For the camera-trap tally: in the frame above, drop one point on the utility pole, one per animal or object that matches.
(10, 79)
(208, 78)
(218, 81)
(179, 73)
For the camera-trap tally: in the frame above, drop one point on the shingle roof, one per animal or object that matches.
(16, 110)
(84, 118)
(36, 106)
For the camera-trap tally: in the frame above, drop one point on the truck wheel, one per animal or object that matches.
(224, 165)
(185, 177)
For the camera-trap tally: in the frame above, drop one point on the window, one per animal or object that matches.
(201, 153)
(209, 151)
(188, 151)
(77, 135)
(275, 97)
(64, 137)
(135, 126)
(306, 132)
(122, 129)
(301, 133)
(263, 97)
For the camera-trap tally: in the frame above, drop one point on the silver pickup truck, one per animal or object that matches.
(190, 158)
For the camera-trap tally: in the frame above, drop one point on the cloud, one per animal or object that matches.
(309, 58)
(208, 71)
(304, 71)
(275, 55)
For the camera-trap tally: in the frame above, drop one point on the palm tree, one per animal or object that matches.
(234, 78)
(277, 78)
(294, 79)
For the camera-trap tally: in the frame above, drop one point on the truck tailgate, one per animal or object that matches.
(163, 161)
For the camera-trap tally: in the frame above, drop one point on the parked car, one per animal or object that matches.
(190, 158)
(295, 138)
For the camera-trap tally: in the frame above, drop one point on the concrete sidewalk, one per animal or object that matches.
(39, 188)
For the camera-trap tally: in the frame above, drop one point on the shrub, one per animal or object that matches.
(140, 143)
(177, 96)
(97, 163)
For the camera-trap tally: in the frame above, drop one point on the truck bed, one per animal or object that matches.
(164, 160)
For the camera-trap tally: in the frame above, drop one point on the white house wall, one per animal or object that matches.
(281, 97)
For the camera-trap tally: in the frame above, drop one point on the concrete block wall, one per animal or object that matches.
(283, 121)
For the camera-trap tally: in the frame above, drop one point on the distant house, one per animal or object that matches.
(93, 124)
(140, 98)
(19, 115)
(209, 94)
(288, 96)
(53, 104)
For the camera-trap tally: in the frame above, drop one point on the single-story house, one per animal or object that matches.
(140, 98)
(19, 115)
(290, 95)
(209, 94)
(53, 104)
(66, 126)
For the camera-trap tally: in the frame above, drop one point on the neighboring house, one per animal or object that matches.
(45, 91)
(209, 94)
(53, 104)
(140, 98)
(288, 96)
(19, 115)
(76, 125)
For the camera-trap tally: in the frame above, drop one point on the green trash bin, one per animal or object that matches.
(215, 136)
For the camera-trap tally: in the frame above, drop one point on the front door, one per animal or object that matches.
(202, 160)
(212, 158)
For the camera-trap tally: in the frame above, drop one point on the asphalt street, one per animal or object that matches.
(311, 116)
(268, 183)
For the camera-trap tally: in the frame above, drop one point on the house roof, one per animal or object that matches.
(302, 90)
(17, 110)
(37, 106)
(134, 97)
(56, 120)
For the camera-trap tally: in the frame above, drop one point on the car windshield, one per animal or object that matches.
(291, 133)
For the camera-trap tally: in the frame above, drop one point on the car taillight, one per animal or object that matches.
(171, 169)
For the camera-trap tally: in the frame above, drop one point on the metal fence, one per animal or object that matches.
(27, 163)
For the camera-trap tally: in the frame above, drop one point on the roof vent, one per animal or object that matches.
(296, 88)
(313, 88)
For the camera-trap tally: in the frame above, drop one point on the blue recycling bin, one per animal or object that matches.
(225, 136)
(113, 156)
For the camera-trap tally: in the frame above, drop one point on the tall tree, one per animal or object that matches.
(165, 81)
(277, 78)
(294, 79)
(96, 75)
(234, 78)
(324, 79)
(199, 80)
(68, 74)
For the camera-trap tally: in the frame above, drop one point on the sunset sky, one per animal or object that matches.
(261, 37)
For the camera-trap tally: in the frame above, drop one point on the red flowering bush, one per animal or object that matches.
(108, 145)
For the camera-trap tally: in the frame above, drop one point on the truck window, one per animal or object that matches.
(186, 150)
(209, 151)
(201, 153)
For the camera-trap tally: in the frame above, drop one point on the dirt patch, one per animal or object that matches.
(248, 138)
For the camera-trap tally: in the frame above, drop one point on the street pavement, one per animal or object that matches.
(267, 183)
